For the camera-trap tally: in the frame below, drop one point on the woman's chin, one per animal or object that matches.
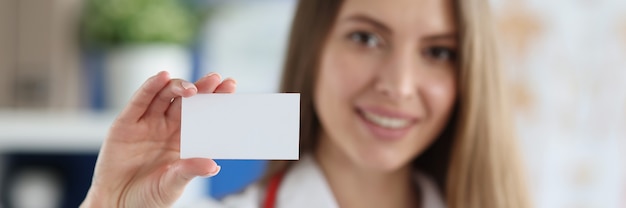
(382, 161)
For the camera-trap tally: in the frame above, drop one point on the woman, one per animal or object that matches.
(401, 107)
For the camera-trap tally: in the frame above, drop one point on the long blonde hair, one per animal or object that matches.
(474, 161)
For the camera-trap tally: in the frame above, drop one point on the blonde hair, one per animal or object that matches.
(474, 160)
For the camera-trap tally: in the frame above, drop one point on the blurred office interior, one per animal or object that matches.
(64, 76)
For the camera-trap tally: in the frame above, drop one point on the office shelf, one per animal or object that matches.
(45, 131)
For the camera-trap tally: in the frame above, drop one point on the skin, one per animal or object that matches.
(383, 56)
(138, 164)
(394, 55)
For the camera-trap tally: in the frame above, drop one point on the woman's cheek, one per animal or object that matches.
(349, 71)
(441, 95)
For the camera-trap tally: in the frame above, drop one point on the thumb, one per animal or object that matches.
(183, 171)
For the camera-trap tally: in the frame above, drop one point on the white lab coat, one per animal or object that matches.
(304, 186)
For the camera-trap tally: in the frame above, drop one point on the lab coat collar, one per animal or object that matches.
(305, 186)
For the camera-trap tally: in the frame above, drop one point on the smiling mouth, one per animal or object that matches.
(386, 122)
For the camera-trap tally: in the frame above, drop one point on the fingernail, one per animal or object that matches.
(210, 74)
(215, 171)
(213, 74)
(234, 81)
(159, 74)
(188, 85)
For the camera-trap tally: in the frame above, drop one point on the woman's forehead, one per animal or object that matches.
(427, 16)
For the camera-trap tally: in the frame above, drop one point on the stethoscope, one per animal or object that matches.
(271, 191)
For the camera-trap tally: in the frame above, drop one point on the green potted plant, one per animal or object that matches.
(139, 38)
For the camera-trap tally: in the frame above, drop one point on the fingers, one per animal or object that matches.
(141, 100)
(157, 95)
(229, 85)
(174, 111)
(208, 83)
(205, 85)
(181, 172)
(175, 88)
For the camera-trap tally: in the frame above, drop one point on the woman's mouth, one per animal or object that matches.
(386, 122)
(386, 125)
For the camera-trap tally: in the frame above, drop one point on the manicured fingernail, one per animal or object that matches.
(213, 74)
(188, 85)
(157, 75)
(215, 171)
(234, 81)
(210, 74)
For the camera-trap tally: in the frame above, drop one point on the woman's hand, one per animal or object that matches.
(139, 164)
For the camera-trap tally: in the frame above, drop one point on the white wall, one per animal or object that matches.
(247, 40)
(566, 62)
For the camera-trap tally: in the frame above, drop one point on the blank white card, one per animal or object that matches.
(241, 126)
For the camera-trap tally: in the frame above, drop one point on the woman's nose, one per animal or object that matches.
(396, 77)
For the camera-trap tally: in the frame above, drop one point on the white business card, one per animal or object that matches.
(241, 126)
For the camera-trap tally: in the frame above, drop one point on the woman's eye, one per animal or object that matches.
(366, 39)
(441, 53)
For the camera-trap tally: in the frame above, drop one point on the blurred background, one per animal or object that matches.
(66, 67)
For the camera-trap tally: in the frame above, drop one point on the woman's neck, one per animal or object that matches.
(356, 187)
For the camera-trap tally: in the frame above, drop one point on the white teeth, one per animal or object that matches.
(386, 122)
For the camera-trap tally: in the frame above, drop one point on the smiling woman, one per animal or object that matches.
(401, 106)
(409, 82)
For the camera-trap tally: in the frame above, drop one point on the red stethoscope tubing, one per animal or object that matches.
(271, 191)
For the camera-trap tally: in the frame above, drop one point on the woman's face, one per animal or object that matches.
(387, 81)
